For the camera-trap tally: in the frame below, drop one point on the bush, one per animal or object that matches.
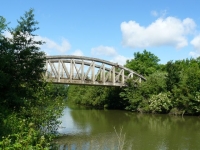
(26, 138)
(160, 103)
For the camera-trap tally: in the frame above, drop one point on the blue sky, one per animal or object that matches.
(113, 29)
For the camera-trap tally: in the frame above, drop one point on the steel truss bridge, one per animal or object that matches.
(70, 69)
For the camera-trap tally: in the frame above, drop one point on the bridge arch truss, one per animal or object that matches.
(71, 69)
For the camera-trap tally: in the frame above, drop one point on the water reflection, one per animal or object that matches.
(69, 126)
(94, 129)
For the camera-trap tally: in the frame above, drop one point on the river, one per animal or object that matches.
(90, 129)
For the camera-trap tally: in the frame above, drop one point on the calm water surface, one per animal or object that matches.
(87, 129)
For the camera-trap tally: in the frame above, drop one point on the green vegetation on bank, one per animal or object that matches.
(170, 88)
(96, 96)
(29, 107)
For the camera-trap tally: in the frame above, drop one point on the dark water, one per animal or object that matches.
(87, 129)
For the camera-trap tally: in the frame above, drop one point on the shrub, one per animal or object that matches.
(160, 103)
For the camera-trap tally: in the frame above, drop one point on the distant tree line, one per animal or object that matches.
(172, 88)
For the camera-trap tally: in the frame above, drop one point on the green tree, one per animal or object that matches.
(185, 91)
(138, 94)
(183, 80)
(3, 25)
(144, 63)
(95, 96)
(24, 96)
(22, 62)
(5, 63)
(173, 74)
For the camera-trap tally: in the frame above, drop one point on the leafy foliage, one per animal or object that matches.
(160, 103)
(186, 85)
(22, 64)
(29, 107)
(174, 86)
(27, 129)
(3, 25)
(26, 138)
(99, 97)
(144, 63)
(139, 94)
(173, 75)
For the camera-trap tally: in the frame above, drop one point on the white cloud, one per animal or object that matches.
(196, 44)
(103, 50)
(168, 31)
(51, 46)
(109, 52)
(154, 13)
(194, 54)
(77, 53)
(162, 13)
(119, 59)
